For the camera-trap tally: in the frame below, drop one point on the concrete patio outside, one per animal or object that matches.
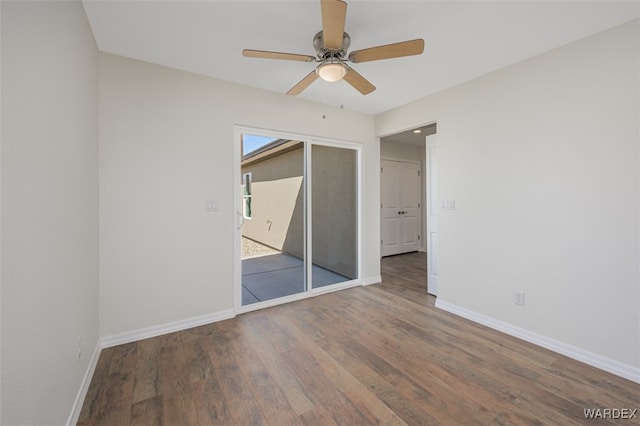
(268, 274)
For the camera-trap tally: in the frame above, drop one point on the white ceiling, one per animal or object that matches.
(464, 39)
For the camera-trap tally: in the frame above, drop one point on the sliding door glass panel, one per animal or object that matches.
(272, 187)
(334, 215)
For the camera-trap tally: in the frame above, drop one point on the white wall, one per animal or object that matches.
(166, 146)
(402, 151)
(542, 160)
(50, 208)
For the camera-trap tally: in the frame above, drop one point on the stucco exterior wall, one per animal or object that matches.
(277, 213)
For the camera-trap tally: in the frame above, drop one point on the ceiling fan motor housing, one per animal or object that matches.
(323, 53)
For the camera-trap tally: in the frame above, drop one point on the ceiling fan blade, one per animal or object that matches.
(358, 82)
(394, 50)
(334, 13)
(303, 84)
(249, 53)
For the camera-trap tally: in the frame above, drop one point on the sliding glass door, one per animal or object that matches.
(299, 216)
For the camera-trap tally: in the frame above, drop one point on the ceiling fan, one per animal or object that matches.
(331, 46)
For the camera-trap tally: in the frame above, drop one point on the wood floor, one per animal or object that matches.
(381, 354)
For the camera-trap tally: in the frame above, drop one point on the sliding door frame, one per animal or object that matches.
(309, 142)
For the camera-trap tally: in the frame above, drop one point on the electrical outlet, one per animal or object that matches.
(518, 297)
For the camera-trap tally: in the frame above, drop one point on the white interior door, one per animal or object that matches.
(400, 215)
(390, 199)
(410, 206)
(432, 215)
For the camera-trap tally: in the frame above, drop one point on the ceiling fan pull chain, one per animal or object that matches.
(324, 103)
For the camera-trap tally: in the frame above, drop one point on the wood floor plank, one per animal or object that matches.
(147, 382)
(239, 399)
(208, 398)
(340, 377)
(268, 395)
(363, 399)
(318, 416)
(379, 354)
(177, 400)
(399, 400)
(118, 389)
(324, 392)
(261, 333)
(147, 412)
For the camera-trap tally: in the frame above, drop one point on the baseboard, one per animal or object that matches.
(158, 330)
(372, 280)
(603, 363)
(84, 387)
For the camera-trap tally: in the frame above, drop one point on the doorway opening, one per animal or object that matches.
(298, 217)
(408, 194)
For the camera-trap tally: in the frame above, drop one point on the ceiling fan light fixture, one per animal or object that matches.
(331, 70)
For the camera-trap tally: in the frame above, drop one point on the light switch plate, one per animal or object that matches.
(448, 204)
(211, 205)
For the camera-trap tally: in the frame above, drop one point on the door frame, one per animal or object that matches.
(431, 213)
(430, 181)
(238, 218)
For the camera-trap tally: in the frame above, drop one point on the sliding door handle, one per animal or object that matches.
(241, 221)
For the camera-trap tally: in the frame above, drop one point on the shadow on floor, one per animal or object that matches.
(279, 275)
